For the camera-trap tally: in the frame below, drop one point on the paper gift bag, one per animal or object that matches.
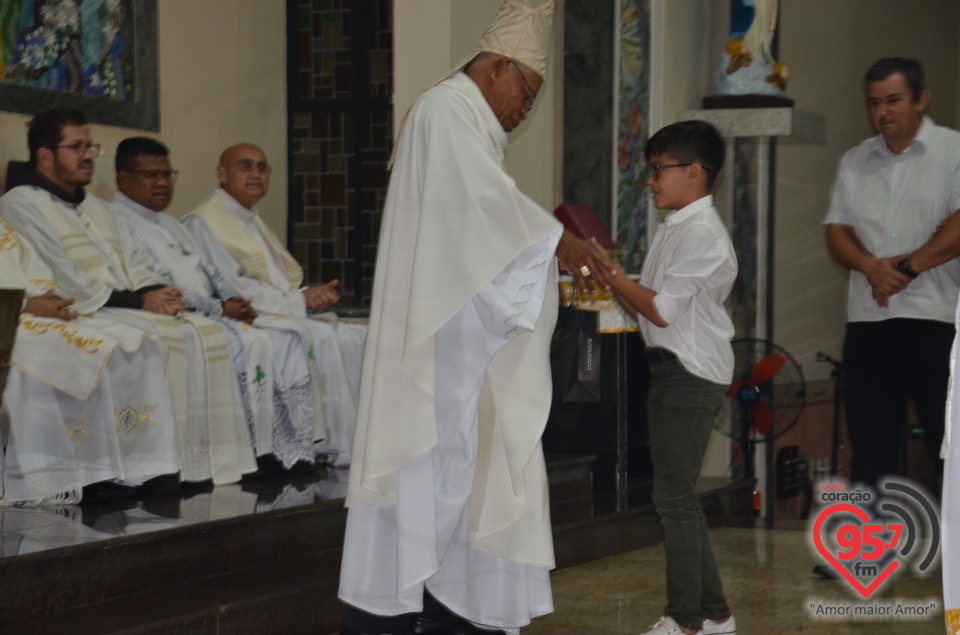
(575, 356)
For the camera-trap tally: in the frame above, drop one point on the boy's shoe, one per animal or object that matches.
(666, 626)
(726, 627)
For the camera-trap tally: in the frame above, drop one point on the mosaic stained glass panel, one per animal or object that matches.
(340, 137)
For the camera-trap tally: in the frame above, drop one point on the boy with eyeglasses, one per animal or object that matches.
(686, 277)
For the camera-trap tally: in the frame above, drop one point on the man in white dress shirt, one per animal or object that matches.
(281, 395)
(233, 236)
(891, 194)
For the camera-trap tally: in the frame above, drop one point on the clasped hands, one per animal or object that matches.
(51, 306)
(165, 301)
(885, 280)
(320, 297)
(239, 309)
(586, 261)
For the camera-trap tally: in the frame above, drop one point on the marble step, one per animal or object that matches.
(281, 566)
(273, 572)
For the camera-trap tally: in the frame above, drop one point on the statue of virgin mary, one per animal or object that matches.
(748, 66)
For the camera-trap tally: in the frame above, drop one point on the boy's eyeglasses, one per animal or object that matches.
(656, 169)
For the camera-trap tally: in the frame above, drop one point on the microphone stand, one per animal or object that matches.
(836, 374)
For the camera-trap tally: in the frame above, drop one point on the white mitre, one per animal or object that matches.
(520, 32)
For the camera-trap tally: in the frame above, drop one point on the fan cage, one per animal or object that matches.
(785, 392)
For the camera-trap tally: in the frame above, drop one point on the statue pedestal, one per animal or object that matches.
(746, 101)
(787, 124)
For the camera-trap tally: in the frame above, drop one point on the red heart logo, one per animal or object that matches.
(842, 570)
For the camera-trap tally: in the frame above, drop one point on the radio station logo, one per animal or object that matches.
(868, 537)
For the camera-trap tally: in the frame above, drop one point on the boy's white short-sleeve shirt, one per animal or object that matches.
(692, 266)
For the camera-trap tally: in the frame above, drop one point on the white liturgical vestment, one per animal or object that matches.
(92, 256)
(88, 398)
(950, 508)
(448, 487)
(283, 389)
(255, 264)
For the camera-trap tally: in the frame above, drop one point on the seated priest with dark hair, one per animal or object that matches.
(229, 229)
(88, 398)
(289, 423)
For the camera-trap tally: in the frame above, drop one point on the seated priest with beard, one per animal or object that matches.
(88, 397)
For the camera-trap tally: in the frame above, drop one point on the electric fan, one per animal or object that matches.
(767, 396)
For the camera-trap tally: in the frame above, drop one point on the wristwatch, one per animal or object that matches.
(904, 267)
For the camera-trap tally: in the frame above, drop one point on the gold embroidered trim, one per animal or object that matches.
(9, 240)
(89, 345)
(43, 282)
(75, 430)
(952, 619)
(64, 389)
(131, 419)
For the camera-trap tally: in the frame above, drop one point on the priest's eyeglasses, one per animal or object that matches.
(157, 175)
(248, 165)
(531, 93)
(81, 148)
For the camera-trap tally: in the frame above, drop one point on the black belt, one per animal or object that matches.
(658, 355)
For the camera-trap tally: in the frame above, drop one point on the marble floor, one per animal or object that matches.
(767, 578)
(25, 530)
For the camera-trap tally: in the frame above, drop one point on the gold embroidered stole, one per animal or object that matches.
(20, 267)
(89, 235)
(242, 247)
(70, 356)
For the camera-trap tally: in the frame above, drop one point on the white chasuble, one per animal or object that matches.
(456, 385)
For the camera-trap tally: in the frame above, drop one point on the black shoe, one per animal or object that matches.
(106, 490)
(424, 626)
(452, 626)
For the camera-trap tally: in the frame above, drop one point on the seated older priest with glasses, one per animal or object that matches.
(229, 229)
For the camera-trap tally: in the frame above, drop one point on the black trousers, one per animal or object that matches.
(886, 363)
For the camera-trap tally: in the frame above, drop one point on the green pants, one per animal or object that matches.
(682, 409)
